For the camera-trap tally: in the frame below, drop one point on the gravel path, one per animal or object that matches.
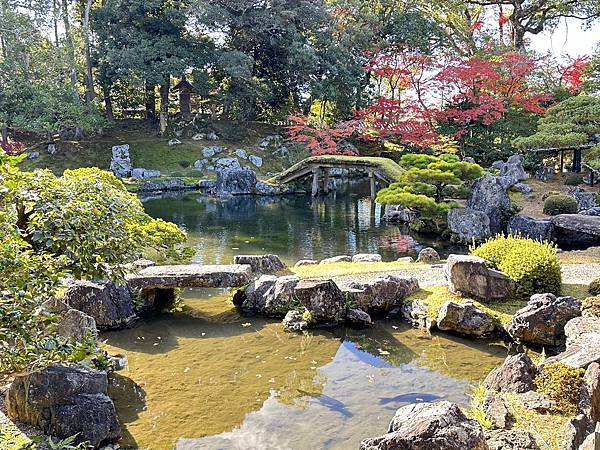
(434, 275)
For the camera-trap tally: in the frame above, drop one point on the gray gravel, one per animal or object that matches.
(434, 275)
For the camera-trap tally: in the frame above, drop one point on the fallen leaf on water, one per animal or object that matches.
(394, 327)
(247, 324)
(383, 352)
(186, 370)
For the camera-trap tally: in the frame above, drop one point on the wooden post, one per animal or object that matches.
(315, 182)
(577, 160)
(326, 181)
(372, 182)
(562, 160)
(591, 178)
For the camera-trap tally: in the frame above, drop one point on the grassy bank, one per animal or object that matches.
(350, 268)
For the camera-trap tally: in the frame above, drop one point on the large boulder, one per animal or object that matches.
(510, 440)
(589, 403)
(70, 323)
(252, 298)
(336, 259)
(465, 319)
(65, 401)
(323, 299)
(120, 163)
(358, 317)
(110, 305)
(429, 426)
(141, 173)
(513, 169)
(542, 321)
(516, 374)
(366, 257)
(260, 263)
(268, 296)
(399, 213)
(235, 182)
(489, 195)
(428, 256)
(468, 225)
(539, 229)
(294, 321)
(585, 200)
(381, 294)
(469, 276)
(576, 229)
(416, 313)
(583, 342)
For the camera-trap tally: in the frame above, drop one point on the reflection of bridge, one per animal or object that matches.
(383, 169)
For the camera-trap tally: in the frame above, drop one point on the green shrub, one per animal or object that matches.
(560, 204)
(549, 193)
(562, 384)
(533, 265)
(573, 180)
(591, 307)
(184, 163)
(594, 287)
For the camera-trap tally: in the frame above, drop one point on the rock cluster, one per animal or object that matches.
(538, 229)
(469, 276)
(120, 163)
(261, 263)
(582, 342)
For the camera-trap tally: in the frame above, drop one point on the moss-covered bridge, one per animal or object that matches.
(318, 167)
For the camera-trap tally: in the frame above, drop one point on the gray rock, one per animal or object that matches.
(281, 298)
(585, 200)
(489, 195)
(381, 294)
(428, 256)
(33, 155)
(539, 229)
(595, 211)
(469, 160)
(51, 149)
(173, 142)
(241, 153)
(416, 313)
(544, 173)
(405, 259)
(516, 374)
(510, 440)
(111, 306)
(306, 262)
(210, 151)
(592, 442)
(191, 275)
(64, 401)
(201, 164)
(583, 343)
(120, 163)
(336, 259)
(70, 323)
(514, 169)
(322, 298)
(522, 188)
(575, 432)
(141, 173)
(262, 188)
(212, 136)
(235, 182)
(207, 185)
(366, 257)
(253, 297)
(469, 276)
(468, 225)
(294, 321)
(398, 213)
(227, 164)
(577, 229)
(465, 319)
(542, 321)
(496, 411)
(260, 263)
(170, 184)
(256, 160)
(198, 137)
(589, 403)
(536, 401)
(358, 317)
(429, 426)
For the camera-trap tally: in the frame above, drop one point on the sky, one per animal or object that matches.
(568, 38)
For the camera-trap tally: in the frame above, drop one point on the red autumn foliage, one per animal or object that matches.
(573, 73)
(13, 147)
(321, 140)
(502, 19)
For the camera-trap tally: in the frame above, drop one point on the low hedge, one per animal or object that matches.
(560, 204)
(533, 265)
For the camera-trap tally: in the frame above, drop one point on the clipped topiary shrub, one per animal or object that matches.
(573, 180)
(184, 163)
(562, 384)
(533, 265)
(549, 193)
(560, 204)
(590, 307)
(594, 287)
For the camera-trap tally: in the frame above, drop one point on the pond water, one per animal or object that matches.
(208, 378)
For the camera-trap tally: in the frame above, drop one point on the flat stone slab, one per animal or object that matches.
(578, 223)
(192, 276)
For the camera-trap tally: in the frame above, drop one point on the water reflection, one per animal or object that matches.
(209, 378)
(295, 227)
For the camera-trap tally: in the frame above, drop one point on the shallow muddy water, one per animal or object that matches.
(207, 378)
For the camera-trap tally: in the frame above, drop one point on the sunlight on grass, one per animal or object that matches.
(349, 268)
(579, 291)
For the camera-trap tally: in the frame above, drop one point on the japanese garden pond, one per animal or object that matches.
(207, 377)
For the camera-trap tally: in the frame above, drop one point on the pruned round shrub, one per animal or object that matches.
(594, 287)
(184, 163)
(591, 307)
(573, 180)
(562, 384)
(533, 265)
(560, 204)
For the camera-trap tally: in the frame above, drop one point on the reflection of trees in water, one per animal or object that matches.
(130, 400)
(381, 344)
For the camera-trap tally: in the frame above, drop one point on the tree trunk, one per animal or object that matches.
(164, 103)
(150, 100)
(108, 105)
(70, 48)
(4, 134)
(89, 77)
(55, 22)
